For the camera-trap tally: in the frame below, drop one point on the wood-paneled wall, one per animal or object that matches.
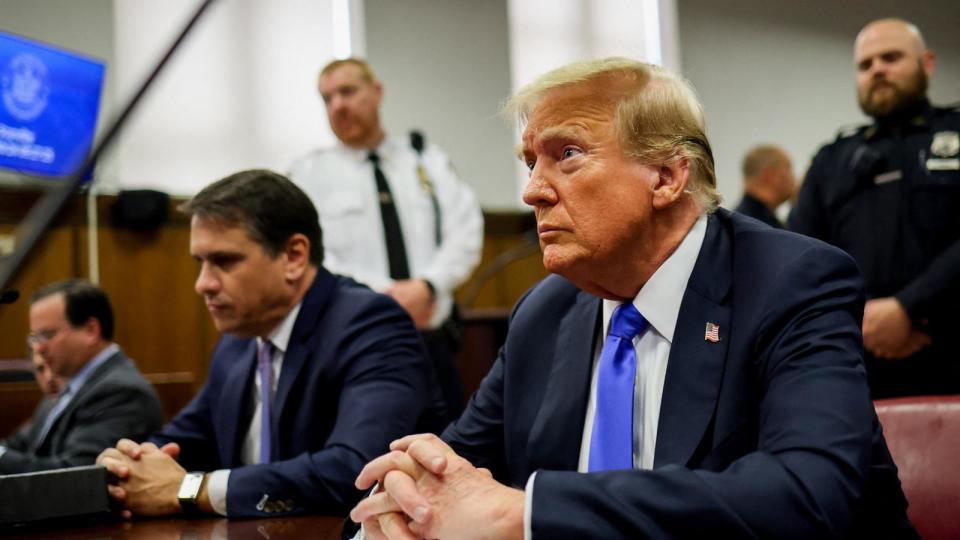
(163, 324)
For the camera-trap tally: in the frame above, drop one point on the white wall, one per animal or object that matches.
(546, 34)
(782, 72)
(241, 92)
(445, 67)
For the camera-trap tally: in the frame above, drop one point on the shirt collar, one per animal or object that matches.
(77, 381)
(387, 148)
(280, 336)
(659, 299)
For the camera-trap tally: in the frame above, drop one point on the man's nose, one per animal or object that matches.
(337, 103)
(878, 70)
(206, 282)
(538, 191)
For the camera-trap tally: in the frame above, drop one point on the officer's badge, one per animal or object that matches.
(945, 143)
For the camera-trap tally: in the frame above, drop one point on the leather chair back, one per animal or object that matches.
(923, 434)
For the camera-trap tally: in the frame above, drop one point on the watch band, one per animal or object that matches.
(189, 490)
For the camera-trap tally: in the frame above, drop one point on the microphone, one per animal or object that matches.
(9, 296)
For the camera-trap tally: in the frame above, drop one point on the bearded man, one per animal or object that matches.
(888, 193)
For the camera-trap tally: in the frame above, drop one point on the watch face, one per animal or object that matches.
(190, 486)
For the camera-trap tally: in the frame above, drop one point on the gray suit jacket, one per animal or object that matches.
(115, 402)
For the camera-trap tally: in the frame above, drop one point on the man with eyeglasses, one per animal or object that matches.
(102, 396)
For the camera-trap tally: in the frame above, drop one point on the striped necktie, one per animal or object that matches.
(265, 367)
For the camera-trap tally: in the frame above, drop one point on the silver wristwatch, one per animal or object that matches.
(189, 491)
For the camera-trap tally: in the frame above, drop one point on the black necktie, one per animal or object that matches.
(392, 233)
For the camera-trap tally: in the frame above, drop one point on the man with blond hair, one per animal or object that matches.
(397, 217)
(888, 194)
(768, 182)
(687, 372)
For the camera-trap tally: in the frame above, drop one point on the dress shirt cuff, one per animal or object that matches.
(217, 490)
(528, 508)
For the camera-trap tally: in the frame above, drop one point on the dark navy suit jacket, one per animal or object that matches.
(353, 379)
(768, 433)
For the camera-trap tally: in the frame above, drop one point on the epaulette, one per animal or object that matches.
(951, 108)
(851, 130)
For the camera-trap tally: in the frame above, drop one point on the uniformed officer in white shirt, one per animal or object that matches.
(394, 214)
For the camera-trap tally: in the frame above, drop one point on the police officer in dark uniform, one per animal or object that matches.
(889, 194)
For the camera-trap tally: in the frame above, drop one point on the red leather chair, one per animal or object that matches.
(923, 434)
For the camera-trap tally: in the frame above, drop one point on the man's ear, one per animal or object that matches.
(92, 329)
(929, 62)
(297, 253)
(671, 183)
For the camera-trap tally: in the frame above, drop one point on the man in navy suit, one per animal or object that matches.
(687, 373)
(313, 377)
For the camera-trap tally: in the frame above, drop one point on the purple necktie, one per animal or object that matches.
(611, 442)
(265, 366)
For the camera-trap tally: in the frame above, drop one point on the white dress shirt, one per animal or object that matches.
(250, 452)
(340, 182)
(659, 303)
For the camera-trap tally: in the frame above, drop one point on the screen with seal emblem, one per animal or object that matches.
(49, 99)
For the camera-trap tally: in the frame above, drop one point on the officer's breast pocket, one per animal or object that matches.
(342, 218)
(936, 199)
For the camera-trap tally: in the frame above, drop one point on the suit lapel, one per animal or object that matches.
(106, 367)
(302, 342)
(77, 399)
(36, 425)
(293, 361)
(557, 432)
(239, 383)
(695, 366)
(233, 404)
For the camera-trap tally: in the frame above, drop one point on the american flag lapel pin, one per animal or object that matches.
(712, 333)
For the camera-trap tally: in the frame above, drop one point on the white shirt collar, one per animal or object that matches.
(385, 150)
(659, 299)
(280, 336)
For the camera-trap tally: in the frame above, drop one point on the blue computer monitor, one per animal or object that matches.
(49, 99)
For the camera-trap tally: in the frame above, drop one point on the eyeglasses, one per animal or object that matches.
(39, 338)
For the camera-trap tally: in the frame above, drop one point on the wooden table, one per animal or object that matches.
(289, 528)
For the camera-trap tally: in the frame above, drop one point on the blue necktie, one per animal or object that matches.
(265, 366)
(611, 442)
